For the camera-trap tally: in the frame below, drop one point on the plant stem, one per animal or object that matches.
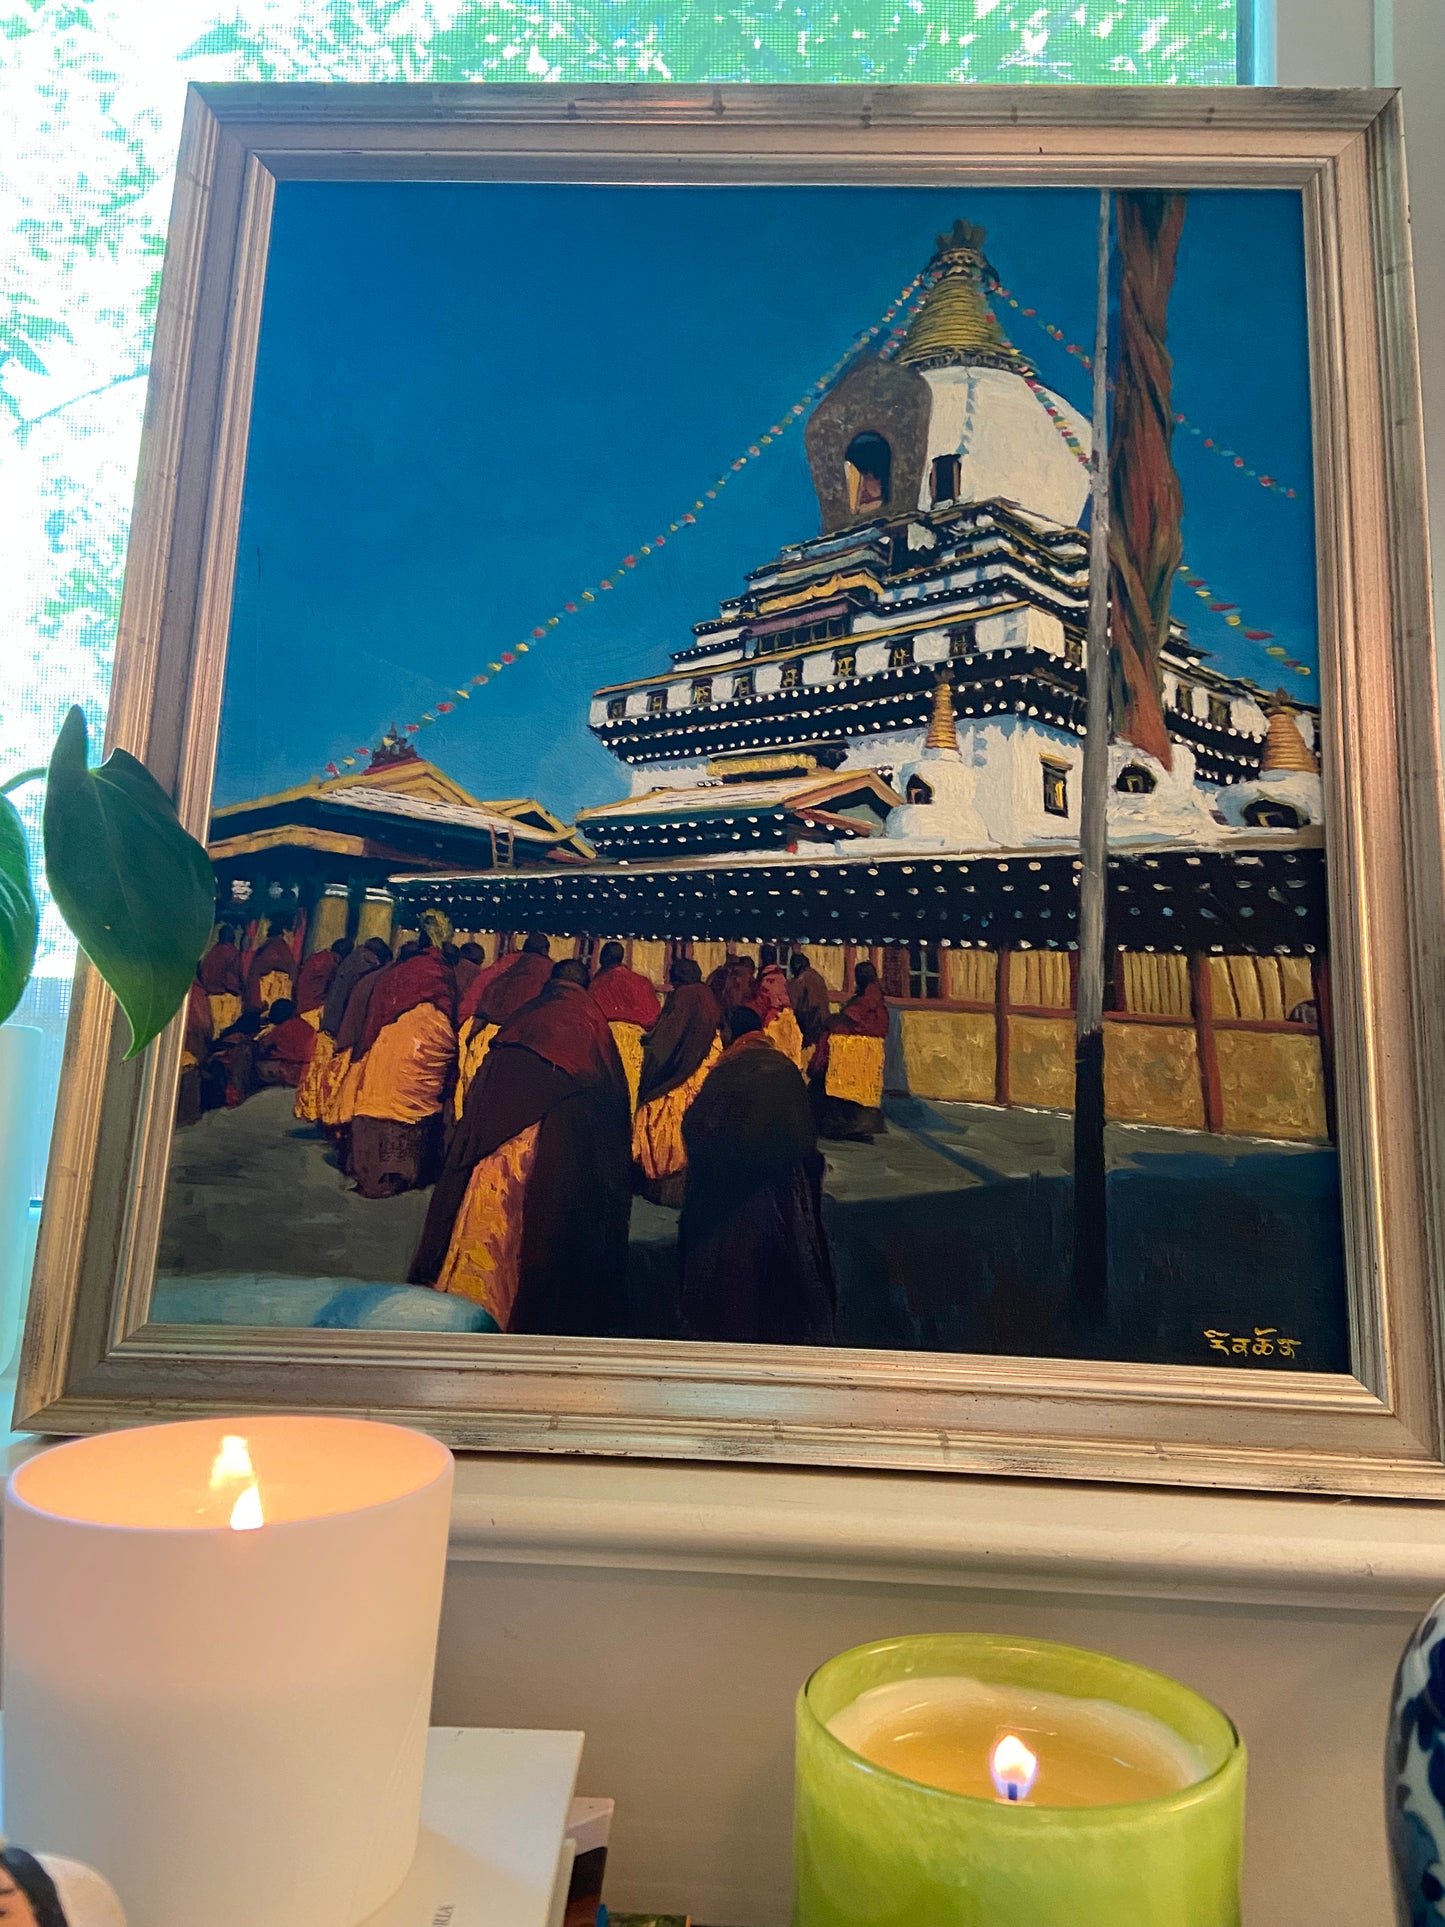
(19, 781)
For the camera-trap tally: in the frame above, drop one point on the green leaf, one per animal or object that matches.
(137, 891)
(19, 916)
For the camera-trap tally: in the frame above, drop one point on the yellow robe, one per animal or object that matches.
(225, 1011)
(657, 1129)
(855, 1069)
(403, 1075)
(628, 1039)
(274, 984)
(328, 1095)
(473, 1043)
(311, 1090)
(348, 1085)
(484, 1258)
(783, 1034)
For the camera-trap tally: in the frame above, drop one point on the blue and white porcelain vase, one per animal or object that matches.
(1415, 1776)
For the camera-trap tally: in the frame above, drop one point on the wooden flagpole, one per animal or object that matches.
(1091, 1253)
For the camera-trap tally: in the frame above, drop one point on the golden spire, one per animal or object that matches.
(942, 731)
(1284, 747)
(955, 325)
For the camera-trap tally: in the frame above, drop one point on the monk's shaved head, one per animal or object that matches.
(571, 970)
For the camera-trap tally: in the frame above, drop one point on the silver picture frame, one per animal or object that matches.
(92, 1359)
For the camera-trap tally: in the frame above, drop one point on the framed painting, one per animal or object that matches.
(814, 712)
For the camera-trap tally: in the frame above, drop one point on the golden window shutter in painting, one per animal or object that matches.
(1039, 979)
(970, 976)
(1154, 985)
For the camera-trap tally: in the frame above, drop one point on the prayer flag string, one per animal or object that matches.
(1237, 461)
(1229, 610)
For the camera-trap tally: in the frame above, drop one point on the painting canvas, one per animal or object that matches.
(648, 797)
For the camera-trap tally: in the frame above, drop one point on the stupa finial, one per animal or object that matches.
(942, 729)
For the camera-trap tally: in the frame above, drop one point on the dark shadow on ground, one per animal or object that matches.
(950, 1233)
(1196, 1245)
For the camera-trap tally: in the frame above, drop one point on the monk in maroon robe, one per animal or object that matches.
(195, 1049)
(369, 956)
(732, 984)
(283, 1046)
(223, 980)
(509, 983)
(756, 1268)
(854, 1114)
(272, 974)
(623, 995)
(313, 979)
(530, 1215)
(471, 962)
(496, 992)
(407, 1048)
(808, 994)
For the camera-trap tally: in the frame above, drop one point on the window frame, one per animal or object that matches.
(1055, 774)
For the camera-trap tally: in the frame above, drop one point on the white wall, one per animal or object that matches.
(674, 1611)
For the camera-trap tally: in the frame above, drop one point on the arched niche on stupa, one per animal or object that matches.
(876, 402)
(869, 473)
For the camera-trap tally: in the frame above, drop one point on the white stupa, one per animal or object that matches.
(1151, 804)
(938, 811)
(1287, 793)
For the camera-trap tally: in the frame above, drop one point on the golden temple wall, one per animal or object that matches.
(1221, 1043)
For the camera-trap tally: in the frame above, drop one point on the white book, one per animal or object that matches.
(493, 1820)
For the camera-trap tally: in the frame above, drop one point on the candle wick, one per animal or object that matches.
(1013, 1792)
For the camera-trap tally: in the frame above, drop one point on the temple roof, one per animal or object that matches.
(956, 325)
(357, 796)
(830, 791)
(398, 787)
(1264, 893)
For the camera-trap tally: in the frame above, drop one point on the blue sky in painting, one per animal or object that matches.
(472, 400)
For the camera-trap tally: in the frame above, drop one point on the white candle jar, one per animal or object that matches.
(229, 1724)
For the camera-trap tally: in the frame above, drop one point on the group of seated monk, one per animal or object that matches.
(243, 1027)
(574, 1092)
(539, 1099)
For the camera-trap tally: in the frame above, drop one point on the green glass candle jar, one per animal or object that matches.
(876, 1849)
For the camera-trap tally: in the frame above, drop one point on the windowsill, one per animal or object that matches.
(782, 1522)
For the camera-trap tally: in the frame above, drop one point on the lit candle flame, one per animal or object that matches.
(233, 1461)
(246, 1513)
(1014, 1768)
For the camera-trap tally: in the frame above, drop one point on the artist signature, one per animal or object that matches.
(1265, 1342)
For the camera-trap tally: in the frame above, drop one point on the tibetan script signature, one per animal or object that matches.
(1265, 1342)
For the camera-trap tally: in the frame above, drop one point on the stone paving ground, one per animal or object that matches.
(950, 1232)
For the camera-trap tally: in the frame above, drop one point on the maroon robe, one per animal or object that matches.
(756, 1268)
(553, 1065)
(624, 996)
(313, 980)
(275, 954)
(812, 1006)
(220, 971)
